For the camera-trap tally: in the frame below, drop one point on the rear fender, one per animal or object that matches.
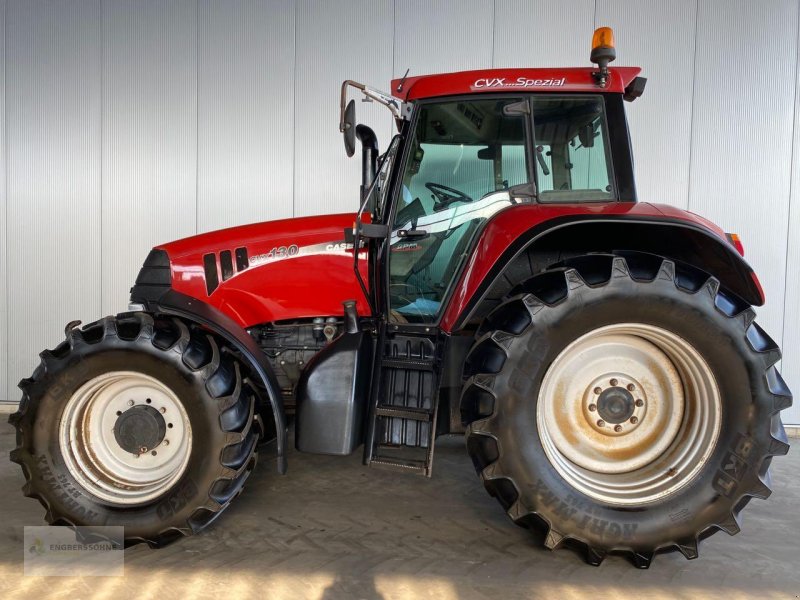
(502, 261)
(183, 306)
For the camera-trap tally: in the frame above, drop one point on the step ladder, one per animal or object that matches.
(402, 420)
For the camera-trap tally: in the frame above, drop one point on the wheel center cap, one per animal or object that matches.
(615, 405)
(139, 429)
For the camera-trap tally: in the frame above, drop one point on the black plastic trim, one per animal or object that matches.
(619, 140)
(226, 262)
(154, 278)
(211, 272)
(242, 260)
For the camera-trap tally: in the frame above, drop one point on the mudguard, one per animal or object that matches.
(658, 229)
(183, 306)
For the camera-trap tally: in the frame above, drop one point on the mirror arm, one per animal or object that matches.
(387, 100)
(343, 101)
(399, 110)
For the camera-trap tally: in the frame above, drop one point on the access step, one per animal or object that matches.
(403, 412)
(402, 419)
(404, 363)
(403, 465)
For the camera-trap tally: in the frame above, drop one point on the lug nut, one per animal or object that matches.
(593, 407)
(639, 402)
(166, 442)
(597, 390)
(631, 387)
(130, 402)
(143, 449)
(634, 420)
(617, 428)
(601, 423)
(163, 410)
(613, 382)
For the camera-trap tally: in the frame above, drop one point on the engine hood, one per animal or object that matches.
(271, 271)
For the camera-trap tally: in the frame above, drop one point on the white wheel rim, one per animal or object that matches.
(629, 413)
(90, 446)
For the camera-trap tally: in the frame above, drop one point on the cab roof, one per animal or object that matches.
(578, 79)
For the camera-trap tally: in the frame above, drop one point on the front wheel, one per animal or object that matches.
(143, 422)
(624, 406)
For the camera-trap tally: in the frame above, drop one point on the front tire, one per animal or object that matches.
(624, 405)
(143, 422)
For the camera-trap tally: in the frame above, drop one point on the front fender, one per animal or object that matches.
(183, 306)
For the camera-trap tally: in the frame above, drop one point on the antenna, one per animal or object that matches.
(402, 81)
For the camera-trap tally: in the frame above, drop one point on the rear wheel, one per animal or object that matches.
(135, 421)
(624, 405)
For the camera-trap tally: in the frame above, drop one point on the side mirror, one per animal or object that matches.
(348, 127)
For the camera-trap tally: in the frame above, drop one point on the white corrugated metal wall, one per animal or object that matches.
(124, 124)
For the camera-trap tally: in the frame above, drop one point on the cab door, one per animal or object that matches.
(465, 157)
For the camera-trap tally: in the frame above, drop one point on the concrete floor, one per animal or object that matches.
(332, 528)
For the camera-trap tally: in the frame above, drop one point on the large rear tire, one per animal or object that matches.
(624, 405)
(140, 421)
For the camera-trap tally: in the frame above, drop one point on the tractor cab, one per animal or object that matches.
(473, 143)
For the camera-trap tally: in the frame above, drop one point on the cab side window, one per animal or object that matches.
(572, 152)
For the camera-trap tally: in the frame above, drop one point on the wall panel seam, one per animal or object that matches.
(394, 38)
(294, 115)
(103, 257)
(692, 103)
(196, 117)
(791, 169)
(494, 30)
(7, 365)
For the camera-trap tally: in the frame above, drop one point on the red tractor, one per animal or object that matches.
(499, 280)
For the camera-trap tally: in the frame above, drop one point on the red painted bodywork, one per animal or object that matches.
(486, 81)
(312, 283)
(316, 280)
(509, 224)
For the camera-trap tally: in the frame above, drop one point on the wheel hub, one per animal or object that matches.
(616, 402)
(139, 429)
(615, 405)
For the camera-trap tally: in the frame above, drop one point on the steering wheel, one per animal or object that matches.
(445, 196)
